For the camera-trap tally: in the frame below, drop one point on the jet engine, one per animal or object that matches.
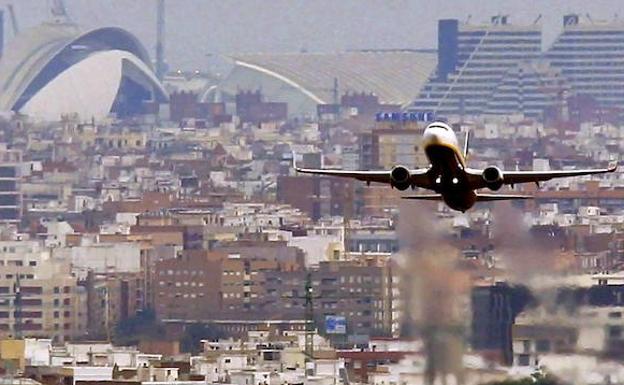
(400, 177)
(493, 177)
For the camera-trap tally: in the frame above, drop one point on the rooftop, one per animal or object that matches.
(394, 76)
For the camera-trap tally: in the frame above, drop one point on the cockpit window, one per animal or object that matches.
(444, 127)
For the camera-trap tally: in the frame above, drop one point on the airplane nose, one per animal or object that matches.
(431, 138)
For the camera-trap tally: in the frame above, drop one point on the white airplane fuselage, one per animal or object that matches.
(447, 174)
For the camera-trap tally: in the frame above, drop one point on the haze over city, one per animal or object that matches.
(311, 192)
(197, 28)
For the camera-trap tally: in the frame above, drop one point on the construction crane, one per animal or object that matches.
(310, 321)
(160, 40)
(309, 317)
(13, 19)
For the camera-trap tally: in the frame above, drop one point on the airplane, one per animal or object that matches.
(448, 174)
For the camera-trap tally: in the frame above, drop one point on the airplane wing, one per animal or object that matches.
(517, 177)
(500, 197)
(424, 197)
(366, 176)
(418, 176)
(480, 197)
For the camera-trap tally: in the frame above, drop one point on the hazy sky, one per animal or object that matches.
(197, 28)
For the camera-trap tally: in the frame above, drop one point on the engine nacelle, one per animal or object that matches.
(400, 177)
(493, 177)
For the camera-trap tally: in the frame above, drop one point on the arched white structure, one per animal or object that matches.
(54, 69)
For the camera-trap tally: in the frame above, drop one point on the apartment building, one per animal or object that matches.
(589, 54)
(38, 295)
(472, 61)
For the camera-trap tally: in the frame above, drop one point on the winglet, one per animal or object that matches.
(466, 144)
(294, 155)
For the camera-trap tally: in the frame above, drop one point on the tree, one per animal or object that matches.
(143, 325)
(194, 333)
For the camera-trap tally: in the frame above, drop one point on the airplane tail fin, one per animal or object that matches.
(294, 161)
(466, 144)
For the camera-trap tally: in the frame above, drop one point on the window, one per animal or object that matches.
(542, 346)
(31, 302)
(31, 290)
(8, 172)
(523, 359)
(7, 185)
(526, 346)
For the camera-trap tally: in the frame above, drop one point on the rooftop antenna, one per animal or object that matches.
(539, 17)
(160, 40)
(468, 19)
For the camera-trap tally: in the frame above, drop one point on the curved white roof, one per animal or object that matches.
(394, 76)
(41, 60)
(76, 90)
(26, 55)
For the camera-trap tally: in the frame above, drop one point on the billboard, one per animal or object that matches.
(335, 324)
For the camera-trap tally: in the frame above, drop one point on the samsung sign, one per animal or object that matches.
(404, 116)
(335, 324)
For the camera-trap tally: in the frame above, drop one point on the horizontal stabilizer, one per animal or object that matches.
(424, 197)
(500, 197)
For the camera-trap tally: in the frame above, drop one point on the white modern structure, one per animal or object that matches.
(304, 80)
(55, 69)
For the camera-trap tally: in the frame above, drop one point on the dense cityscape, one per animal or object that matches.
(153, 229)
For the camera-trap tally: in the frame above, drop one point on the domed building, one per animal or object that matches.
(56, 69)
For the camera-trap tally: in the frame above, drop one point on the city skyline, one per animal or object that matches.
(221, 28)
(156, 225)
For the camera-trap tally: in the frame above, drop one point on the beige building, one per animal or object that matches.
(398, 146)
(39, 297)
